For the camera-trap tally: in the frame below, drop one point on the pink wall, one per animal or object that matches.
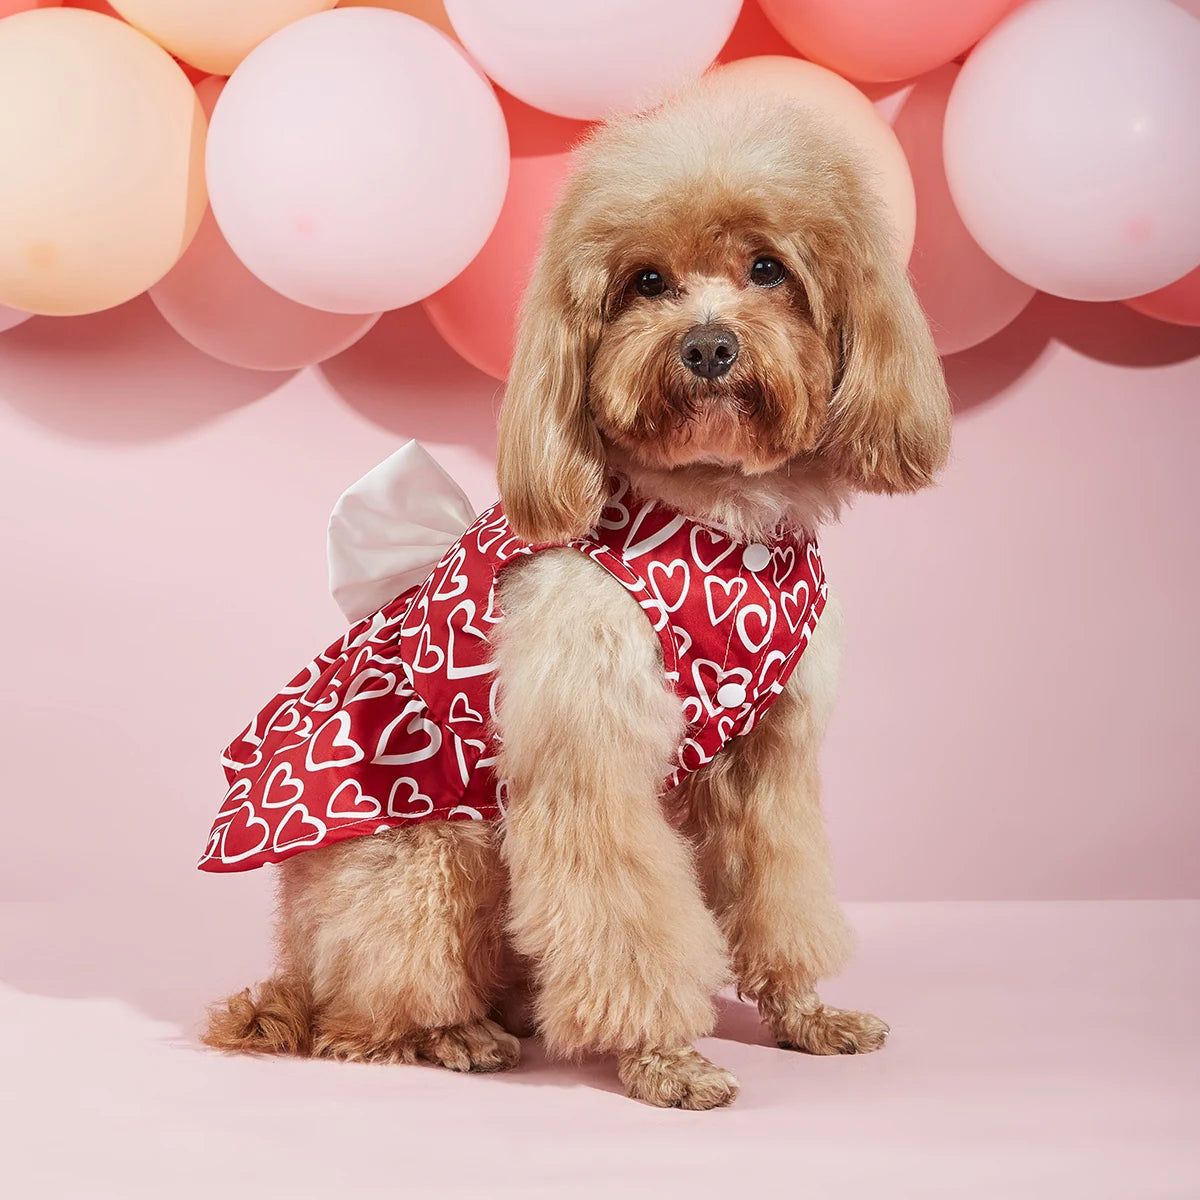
(1017, 715)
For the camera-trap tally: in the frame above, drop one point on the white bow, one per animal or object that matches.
(388, 530)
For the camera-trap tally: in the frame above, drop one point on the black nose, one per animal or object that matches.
(708, 350)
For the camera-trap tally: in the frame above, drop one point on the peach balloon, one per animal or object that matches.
(10, 318)
(432, 12)
(846, 108)
(883, 40)
(1177, 303)
(965, 295)
(102, 143)
(214, 35)
(214, 303)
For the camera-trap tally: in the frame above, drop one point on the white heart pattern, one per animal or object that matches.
(339, 740)
(353, 805)
(714, 583)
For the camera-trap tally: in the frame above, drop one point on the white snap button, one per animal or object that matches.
(755, 557)
(731, 695)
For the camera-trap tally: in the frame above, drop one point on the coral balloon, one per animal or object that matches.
(102, 141)
(214, 35)
(214, 303)
(357, 161)
(9, 8)
(1178, 302)
(477, 312)
(1071, 146)
(10, 318)
(882, 40)
(966, 296)
(594, 58)
(845, 107)
(432, 12)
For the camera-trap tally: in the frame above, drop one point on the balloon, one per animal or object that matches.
(432, 12)
(477, 312)
(753, 36)
(214, 303)
(847, 108)
(9, 8)
(882, 40)
(966, 297)
(592, 58)
(357, 161)
(214, 35)
(102, 141)
(10, 318)
(1071, 147)
(1178, 302)
(100, 6)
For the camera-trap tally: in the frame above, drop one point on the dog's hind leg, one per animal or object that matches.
(393, 941)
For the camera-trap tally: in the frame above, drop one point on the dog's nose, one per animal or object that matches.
(708, 350)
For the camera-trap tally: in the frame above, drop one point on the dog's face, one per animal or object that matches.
(707, 351)
(716, 286)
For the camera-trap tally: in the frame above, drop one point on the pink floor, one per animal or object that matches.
(1038, 1050)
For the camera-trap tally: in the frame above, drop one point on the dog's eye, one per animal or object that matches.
(650, 282)
(767, 272)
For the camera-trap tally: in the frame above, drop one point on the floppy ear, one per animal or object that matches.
(889, 417)
(550, 458)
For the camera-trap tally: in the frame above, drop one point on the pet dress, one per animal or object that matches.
(393, 723)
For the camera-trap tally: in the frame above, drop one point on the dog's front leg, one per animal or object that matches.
(755, 816)
(604, 897)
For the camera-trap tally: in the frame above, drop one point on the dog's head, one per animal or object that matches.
(716, 286)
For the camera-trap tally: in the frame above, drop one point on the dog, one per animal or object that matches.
(717, 318)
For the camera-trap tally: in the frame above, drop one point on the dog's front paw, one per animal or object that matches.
(681, 1078)
(816, 1028)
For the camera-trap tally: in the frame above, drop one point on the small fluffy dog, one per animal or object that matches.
(717, 315)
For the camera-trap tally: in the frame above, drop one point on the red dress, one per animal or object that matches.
(393, 722)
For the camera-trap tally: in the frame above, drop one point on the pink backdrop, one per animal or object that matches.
(1018, 705)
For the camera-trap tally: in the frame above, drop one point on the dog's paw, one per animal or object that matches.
(681, 1078)
(475, 1046)
(825, 1030)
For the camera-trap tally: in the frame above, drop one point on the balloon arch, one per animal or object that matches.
(276, 173)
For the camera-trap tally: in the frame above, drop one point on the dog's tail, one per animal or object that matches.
(275, 1019)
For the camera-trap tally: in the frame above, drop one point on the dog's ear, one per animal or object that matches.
(550, 461)
(888, 428)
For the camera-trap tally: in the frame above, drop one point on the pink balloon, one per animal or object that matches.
(1178, 302)
(212, 301)
(477, 312)
(10, 318)
(966, 296)
(357, 160)
(592, 58)
(882, 40)
(1071, 146)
